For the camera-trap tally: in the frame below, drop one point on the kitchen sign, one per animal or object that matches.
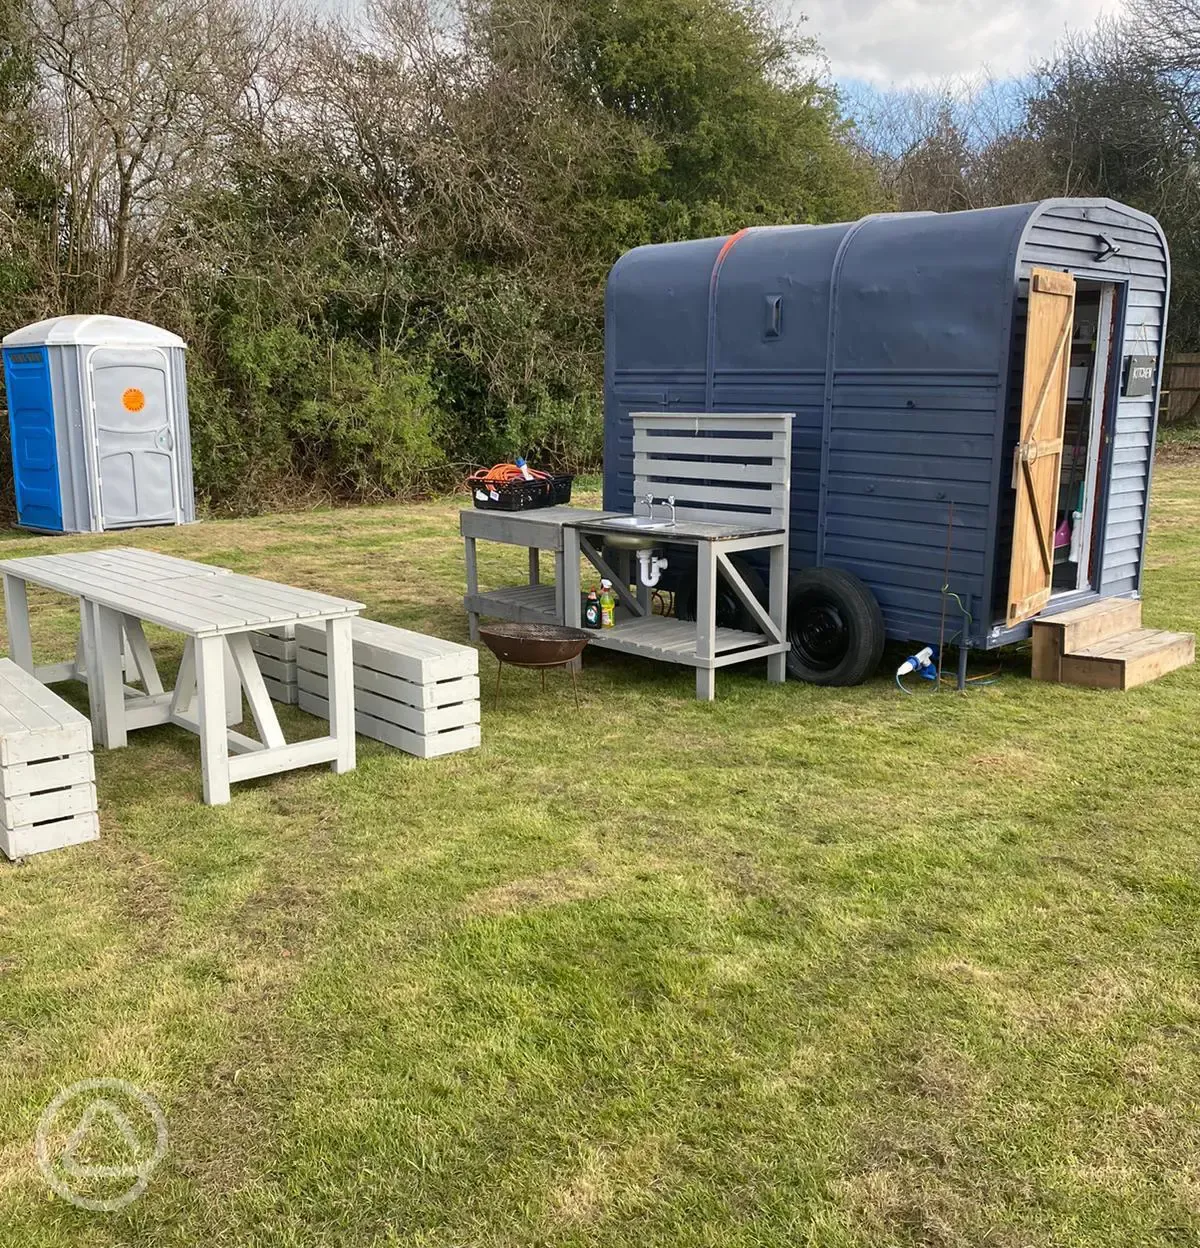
(1137, 380)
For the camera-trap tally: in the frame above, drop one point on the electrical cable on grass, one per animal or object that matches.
(981, 681)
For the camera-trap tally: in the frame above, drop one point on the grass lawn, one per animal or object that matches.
(800, 967)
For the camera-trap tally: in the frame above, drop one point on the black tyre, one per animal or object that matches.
(730, 612)
(835, 628)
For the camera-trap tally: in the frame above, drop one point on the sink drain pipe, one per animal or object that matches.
(651, 566)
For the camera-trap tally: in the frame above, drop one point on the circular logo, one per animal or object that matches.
(133, 399)
(98, 1143)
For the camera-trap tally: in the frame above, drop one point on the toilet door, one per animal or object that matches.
(135, 437)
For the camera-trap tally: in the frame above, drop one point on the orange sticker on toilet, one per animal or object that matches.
(133, 399)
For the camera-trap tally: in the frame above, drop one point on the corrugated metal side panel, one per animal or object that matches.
(1065, 236)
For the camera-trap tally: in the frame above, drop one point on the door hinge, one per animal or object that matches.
(1031, 451)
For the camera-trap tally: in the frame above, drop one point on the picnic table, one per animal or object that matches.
(215, 609)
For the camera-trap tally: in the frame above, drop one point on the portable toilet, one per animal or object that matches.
(97, 410)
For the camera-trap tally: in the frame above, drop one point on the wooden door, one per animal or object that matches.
(1037, 461)
(135, 436)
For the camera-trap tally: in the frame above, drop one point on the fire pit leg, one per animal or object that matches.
(499, 673)
(574, 684)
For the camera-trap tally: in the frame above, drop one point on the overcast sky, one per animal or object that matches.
(915, 41)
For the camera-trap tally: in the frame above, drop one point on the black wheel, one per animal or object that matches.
(835, 628)
(730, 612)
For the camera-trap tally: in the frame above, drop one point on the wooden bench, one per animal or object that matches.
(275, 650)
(417, 693)
(47, 784)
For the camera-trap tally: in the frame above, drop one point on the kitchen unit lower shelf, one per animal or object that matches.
(658, 637)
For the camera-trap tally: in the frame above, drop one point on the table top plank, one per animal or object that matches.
(241, 588)
(151, 563)
(98, 583)
(200, 600)
(130, 593)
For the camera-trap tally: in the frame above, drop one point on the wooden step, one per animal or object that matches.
(1074, 630)
(1128, 659)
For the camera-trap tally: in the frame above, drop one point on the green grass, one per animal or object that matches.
(800, 967)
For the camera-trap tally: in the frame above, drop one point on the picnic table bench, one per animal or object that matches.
(215, 610)
(47, 794)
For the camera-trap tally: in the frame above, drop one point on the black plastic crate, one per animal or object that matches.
(520, 495)
(560, 489)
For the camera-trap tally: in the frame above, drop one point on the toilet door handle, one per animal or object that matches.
(164, 439)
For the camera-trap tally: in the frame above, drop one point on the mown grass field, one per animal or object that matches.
(800, 967)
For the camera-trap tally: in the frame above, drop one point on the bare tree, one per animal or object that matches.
(141, 99)
(959, 144)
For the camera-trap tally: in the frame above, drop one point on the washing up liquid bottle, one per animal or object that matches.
(591, 610)
(524, 467)
(608, 605)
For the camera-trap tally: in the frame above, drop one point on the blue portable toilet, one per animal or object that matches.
(975, 398)
(97, 412)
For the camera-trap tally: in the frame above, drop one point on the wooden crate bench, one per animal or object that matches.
(275, 650)
(47, 785)
(417, 693)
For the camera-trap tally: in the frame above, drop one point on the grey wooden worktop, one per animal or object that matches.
(680, 531)
(540, 526)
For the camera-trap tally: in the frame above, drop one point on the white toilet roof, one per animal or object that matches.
(92, 331)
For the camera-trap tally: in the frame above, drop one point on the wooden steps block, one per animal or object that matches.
(1057, 635)
(1128, 659)
(417, 693)
(47, 789)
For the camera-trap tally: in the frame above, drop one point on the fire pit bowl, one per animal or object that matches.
(534, 645)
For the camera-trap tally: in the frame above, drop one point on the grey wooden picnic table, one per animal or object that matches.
(216, 610)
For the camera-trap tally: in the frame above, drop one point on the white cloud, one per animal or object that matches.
(916, 41)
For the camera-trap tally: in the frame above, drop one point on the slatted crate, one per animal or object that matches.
(417, 693)
(47, 783)
(275, 650)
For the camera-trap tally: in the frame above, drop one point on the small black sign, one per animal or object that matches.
(1138, 378)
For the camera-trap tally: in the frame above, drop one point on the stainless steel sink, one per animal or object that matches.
(642, 532)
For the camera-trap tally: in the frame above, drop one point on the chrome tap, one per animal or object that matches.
(647, 502)
(669, 501)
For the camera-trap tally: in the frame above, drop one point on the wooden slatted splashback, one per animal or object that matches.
(725, 467)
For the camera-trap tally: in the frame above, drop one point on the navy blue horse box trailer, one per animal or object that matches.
(974, 398)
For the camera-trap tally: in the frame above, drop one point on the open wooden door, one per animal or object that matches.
(1037, 461)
